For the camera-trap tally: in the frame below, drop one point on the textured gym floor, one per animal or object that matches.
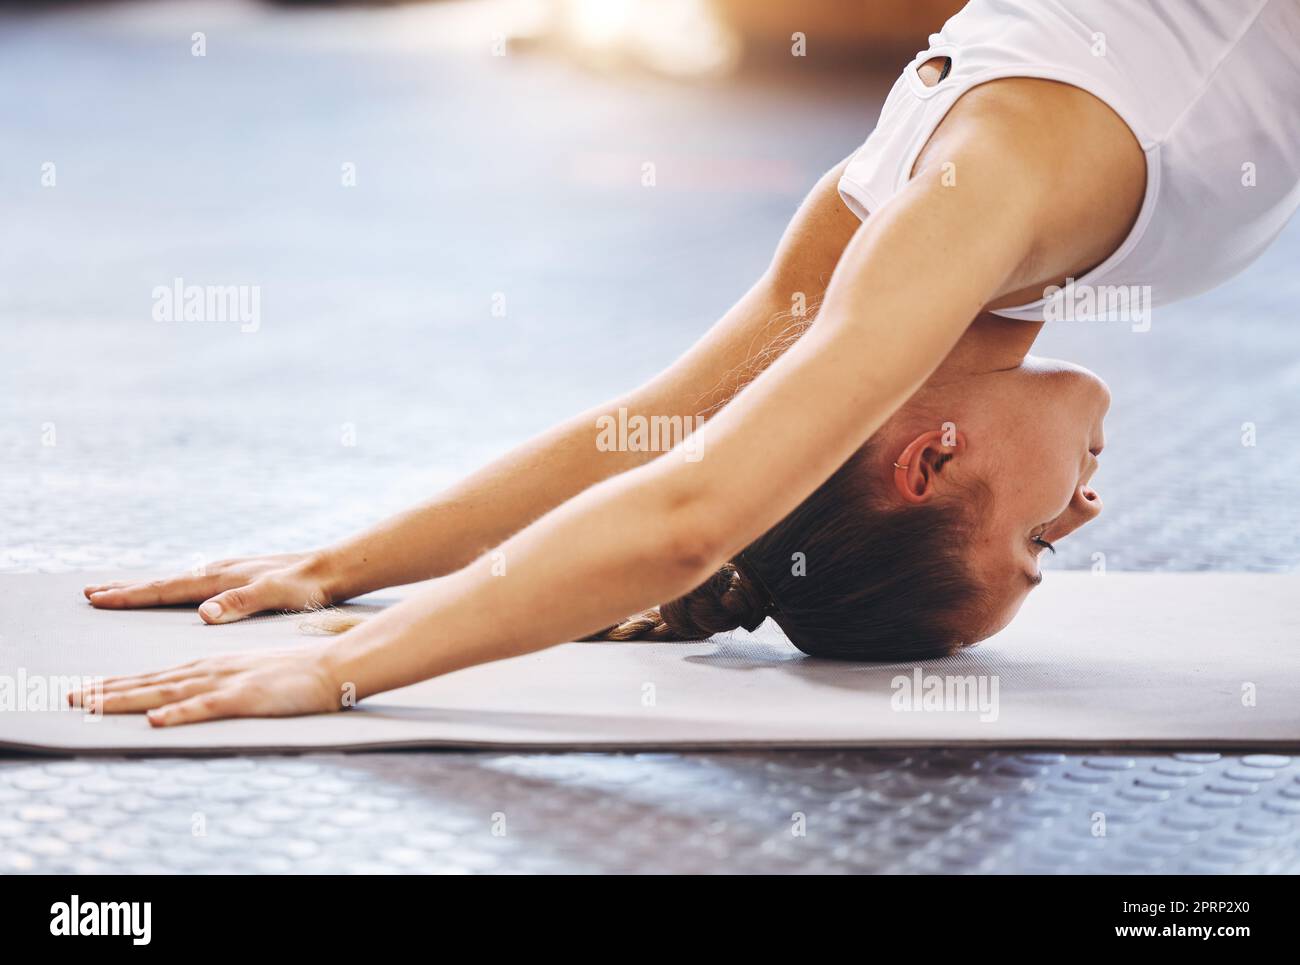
(379, 371)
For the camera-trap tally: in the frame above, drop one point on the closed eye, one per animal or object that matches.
(1039, 541)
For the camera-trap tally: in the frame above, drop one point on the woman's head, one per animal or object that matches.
(927, 539)
(1030, 435)
(850, 573)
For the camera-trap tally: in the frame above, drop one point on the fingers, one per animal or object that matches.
(125, 595)
(221, 568)
(260, 684)
(213, 569)
(208, 706)
(193, 691)
(128, 681)
(86, 696)
(229, 603)
(150, 696)
(243, 601)
(93, 588)
(180, 702)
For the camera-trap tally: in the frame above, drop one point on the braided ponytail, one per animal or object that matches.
(726, 600)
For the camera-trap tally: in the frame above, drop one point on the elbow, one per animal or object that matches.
(691, 542)
(673, 525)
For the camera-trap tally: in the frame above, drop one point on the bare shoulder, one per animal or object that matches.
(1066, 151)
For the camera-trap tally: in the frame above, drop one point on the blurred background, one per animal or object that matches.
(441, 205)
(444, 209)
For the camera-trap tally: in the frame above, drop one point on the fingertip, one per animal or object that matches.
(211, 612)
(157, 717)
(95, 589)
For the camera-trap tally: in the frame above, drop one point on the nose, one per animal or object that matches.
(1084, 508)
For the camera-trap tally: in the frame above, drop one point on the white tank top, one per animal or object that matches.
(1210, 89)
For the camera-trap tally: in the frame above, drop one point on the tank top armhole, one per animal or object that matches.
(856, 197)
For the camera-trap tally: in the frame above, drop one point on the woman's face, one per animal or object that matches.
(1032, 435)
(1038, 468)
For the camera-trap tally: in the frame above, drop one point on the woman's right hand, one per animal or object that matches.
(229, 590)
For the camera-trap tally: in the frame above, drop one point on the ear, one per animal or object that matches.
(918, 467)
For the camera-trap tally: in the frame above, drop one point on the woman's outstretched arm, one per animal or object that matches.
(906, 287)
(449, 531)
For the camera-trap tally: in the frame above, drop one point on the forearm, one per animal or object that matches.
(618, 547)
(447, 532)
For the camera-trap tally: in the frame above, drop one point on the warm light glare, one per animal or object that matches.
(600, 23)
(676, 37)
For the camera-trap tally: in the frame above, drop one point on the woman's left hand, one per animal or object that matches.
(279, 683)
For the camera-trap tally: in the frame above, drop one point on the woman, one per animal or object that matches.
(884, 483)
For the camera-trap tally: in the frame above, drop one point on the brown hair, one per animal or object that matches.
(844, 575)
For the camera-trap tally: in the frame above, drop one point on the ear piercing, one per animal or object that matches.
(899, 466)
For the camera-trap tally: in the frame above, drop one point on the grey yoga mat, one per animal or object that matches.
(1205, 659)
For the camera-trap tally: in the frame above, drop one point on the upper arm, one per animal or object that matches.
(1073, 156)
